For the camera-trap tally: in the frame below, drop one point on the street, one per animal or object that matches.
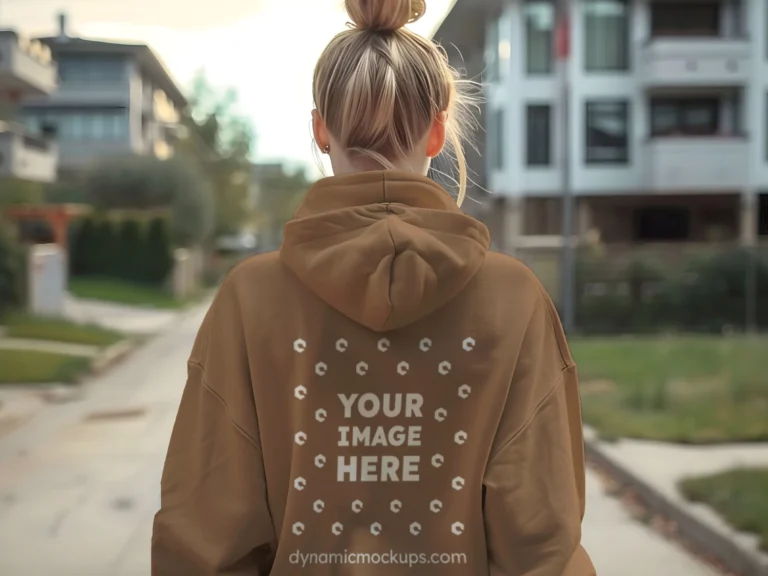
(79, 485)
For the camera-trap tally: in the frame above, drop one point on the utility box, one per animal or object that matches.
(47, 285)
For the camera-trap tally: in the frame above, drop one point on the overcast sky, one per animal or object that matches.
(266, 49)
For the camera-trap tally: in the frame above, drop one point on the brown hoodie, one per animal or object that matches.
(382, 397)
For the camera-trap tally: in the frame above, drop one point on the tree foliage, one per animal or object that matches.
(206, 183)
(221, 142)
(11, 269)
(147, 183)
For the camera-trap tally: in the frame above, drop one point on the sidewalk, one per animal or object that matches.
(127, 319)
(79, 483)
(656, 468)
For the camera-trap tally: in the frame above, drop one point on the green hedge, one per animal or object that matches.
(705, 294)
(126, 249)
(12, 269)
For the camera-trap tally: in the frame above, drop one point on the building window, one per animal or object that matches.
(686, 117)
(606, 35)
(107, 125)
(662, 224)
(91, 69)
(539, 26)
(496, 140)
(492, 60)
(538, 135)
(607, 132)
(685, 18)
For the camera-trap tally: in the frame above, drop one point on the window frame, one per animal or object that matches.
(529, 108)
(626, 106)
(682, 32)
(680, 105)
(526, 37)
(626, 65)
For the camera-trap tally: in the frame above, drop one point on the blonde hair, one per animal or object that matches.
(379, 86)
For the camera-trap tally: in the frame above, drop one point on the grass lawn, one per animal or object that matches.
(28, 367)
(739, 496)
(686, 389)
(123, 293)
(25, 326)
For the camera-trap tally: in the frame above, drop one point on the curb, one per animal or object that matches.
(111, 356)
(703, 538)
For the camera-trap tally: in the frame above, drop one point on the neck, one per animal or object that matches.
(343, 166)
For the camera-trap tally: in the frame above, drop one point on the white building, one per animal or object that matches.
(112, 99)
(26, 70)
(668, 118)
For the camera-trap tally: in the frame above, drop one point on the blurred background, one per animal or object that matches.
(146, 148)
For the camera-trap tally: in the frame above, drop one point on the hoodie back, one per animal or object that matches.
(383, 396)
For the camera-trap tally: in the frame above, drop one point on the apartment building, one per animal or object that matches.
(26, 70)
(112, 99)
(667, 118)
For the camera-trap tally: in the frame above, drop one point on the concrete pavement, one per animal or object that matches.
(655, 469)
(128, 319)
(79, 483)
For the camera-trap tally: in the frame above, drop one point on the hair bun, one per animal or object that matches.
(384, 15)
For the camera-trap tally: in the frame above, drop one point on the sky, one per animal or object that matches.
(265, 49)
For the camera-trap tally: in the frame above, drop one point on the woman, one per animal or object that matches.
(384, 395)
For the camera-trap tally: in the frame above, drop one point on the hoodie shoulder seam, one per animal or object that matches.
(208, 388)
(534, 413)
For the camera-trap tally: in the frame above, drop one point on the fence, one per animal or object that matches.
(662, 288)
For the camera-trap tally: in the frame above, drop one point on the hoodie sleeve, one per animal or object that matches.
(534, 481)
(214, 517)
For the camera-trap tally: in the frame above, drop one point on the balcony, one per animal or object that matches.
(26, 157)
(26, 67)
(706, 163)
(694, 61)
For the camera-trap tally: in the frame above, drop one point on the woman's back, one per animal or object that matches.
(384, 395)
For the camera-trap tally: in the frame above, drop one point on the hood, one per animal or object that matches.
(384, 248)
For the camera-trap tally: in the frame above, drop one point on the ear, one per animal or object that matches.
(436, 138)
(320, 131)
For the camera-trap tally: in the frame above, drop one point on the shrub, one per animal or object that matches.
(158, 252)
(11, 269)
(706, 294)
(82, 258)
(105, 249)
(130, 251)
(147, 183)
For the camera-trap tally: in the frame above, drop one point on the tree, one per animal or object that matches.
(221, 142)
(280, 193)
(147, 183)
(21, 192)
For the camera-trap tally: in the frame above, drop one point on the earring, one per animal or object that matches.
(327, 149)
